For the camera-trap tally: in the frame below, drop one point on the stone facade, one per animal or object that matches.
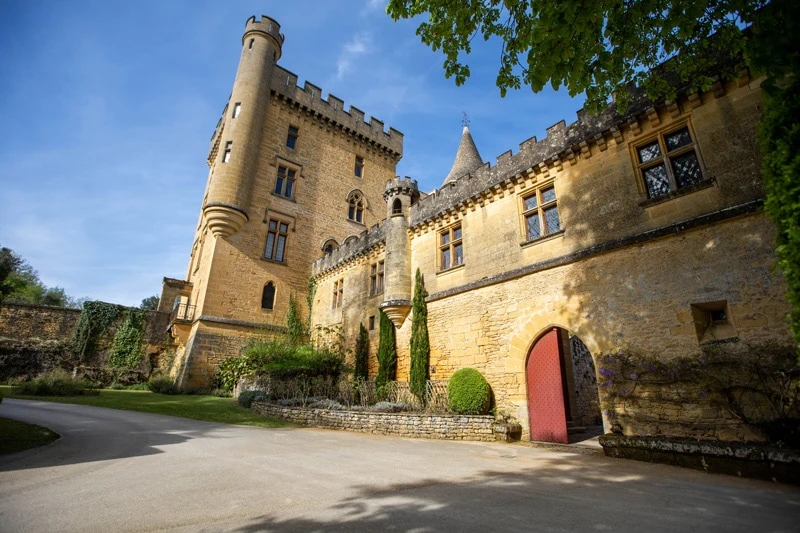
(566, 233)
(230, 265)
(622, 272)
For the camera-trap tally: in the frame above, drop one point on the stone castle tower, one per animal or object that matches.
(292, 176)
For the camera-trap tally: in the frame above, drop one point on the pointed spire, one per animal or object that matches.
(467, 159)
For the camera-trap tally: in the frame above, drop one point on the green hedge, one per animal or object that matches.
(469, 393)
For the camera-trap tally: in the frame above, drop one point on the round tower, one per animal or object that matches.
(397, 293)
(232, 178)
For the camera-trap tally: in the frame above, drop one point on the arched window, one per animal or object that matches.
(329, 246)
(351, 239)
(355, 207)
(268, 296)
(397, 207)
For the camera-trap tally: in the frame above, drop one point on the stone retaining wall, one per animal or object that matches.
(744, 459)
(426, 426)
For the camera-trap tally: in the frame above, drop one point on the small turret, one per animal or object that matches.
(467, 158)
(400, 194)
(241, 130)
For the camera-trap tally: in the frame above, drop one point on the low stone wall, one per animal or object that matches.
(733, 458)
(426, 426)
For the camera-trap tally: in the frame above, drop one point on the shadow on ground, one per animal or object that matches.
(562, 494)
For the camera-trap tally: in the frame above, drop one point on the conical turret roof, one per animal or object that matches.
(467, 158)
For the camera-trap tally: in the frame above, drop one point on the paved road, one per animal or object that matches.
(124, 471)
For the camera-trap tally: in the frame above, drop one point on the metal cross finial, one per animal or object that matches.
(465, 119)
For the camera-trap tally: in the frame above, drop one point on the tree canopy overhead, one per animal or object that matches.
(599, 47)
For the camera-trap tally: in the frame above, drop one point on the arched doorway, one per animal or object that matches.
(563, 403)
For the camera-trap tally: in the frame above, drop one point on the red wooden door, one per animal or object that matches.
(545, 392)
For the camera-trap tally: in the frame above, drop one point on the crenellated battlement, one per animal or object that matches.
(309, 98)
(266, 25)
(563, 143)
(351, 250)
(400, 185)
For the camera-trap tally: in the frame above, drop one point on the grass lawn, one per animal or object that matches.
(197, 407)
(16, 436)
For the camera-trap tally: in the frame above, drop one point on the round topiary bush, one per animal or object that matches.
(469, 393)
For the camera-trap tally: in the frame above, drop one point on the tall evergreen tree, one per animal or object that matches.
(387, 352)
(362, 353)
(420, 344)
(295, 325)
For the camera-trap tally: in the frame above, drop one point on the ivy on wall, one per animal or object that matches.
(96, 318)
(94, 321)
(126, 350)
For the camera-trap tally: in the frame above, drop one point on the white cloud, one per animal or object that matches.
(360, 44)
(373, 5)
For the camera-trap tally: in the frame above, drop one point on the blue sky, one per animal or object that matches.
(107, 108)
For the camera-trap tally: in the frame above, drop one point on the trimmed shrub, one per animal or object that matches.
(162, 385)
(281, 361)
(469, 393)
(420, 344)
(55, 383)
(247, 398)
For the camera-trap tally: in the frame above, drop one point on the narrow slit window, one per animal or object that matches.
(237, 108)
(359, 167)
(249, 46)
(268, 296)
(291, 137)
(226, 155)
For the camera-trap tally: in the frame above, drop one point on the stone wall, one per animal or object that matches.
(584, 376)
(449, 427)
(25, 321)
(36, 339)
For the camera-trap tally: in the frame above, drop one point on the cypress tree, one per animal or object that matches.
(387, 352)
(294, 324)
(362, 353)
(420, 344)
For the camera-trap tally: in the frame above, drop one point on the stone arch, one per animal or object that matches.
(526, 337)
(349, 240)
(268, 296)
(329, 245)
(356, 206)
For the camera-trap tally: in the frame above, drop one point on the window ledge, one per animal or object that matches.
(282, 197)
(705, 184)
(356, 222)
(283, 263)
(548, 237)
(451, 269)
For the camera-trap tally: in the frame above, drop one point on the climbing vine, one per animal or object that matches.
(94, 320)
(294, 324)
(126, 350)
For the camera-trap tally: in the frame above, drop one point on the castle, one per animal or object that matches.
(643, 230)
